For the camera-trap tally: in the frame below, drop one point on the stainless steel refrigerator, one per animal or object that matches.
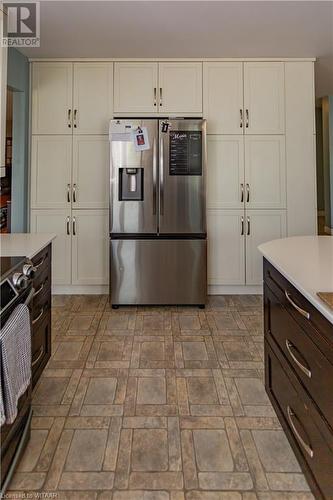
(158, 212)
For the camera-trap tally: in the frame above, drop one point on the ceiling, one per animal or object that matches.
(190, 29)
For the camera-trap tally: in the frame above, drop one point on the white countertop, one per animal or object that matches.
(24, 244)
(307, 262)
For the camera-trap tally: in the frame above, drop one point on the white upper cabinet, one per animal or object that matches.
(90, 171)
(265, 171)
(52, 98)
(90, 247)
(58, 222)
(225, 172)
(226, 247)
(264, 98)
(261, 226)
(92, 97)
(51, 160)
(223, 97)
(180, 87)
(135, 87)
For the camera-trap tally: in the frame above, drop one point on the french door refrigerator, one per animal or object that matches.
(158, 213)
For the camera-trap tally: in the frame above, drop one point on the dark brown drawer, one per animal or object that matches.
(41, 346)
(42, 282)
(306, 359)
(40, 308)
(307, 432)
(316, 325)
(42, 261)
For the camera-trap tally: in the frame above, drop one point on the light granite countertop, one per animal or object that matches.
(307, 262)
(24, 244)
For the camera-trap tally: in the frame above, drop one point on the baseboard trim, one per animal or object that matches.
(235, 290)
(80, 290)
(104, 290)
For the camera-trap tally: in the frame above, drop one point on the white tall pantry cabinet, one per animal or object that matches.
(71, 109)
(260, 150)
(261, 163)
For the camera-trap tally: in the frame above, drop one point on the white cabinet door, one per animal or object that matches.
(91, 171)
(265, 171)
(225, 171)
(135, 87)
(90, 247)
(58, 222)
(51, 160)
(223, 97)
(261, 226)
(226, 247)
(264, 97)
(52, 98)
(180, 87)
(92, 97)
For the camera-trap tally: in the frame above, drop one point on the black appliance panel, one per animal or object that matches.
(185, 152)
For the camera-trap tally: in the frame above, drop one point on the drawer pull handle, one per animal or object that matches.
(37, 292)
(40, 354)
(34, 321)
(40, 263)
(304, 445)
(295, 306)
(290, 346)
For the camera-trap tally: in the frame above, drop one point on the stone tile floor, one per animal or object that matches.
(156, 404)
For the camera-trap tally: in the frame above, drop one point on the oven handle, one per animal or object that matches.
(30, 296)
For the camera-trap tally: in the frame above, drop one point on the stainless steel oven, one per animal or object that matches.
(15, 288)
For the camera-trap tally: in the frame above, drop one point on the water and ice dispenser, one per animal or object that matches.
(131, 184)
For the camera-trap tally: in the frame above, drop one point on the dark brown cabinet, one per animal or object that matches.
(299, 376)
(41, 313)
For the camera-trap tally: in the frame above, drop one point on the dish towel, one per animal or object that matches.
(15, 359)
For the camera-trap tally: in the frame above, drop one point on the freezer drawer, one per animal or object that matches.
(158, 271)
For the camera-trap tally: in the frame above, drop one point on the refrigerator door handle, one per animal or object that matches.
(154, 176)
(161, 177)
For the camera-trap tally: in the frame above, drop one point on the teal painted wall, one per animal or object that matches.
(330, 140)
(18, 81)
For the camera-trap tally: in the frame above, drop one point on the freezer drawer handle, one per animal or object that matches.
(161, 178)
(154, 176)
(299, 438)
(304, 369)
(295, 306)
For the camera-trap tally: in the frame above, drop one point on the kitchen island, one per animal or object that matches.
(298, 328)
(38, 249)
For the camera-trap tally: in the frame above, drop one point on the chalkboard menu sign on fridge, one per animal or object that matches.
(185, 152)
